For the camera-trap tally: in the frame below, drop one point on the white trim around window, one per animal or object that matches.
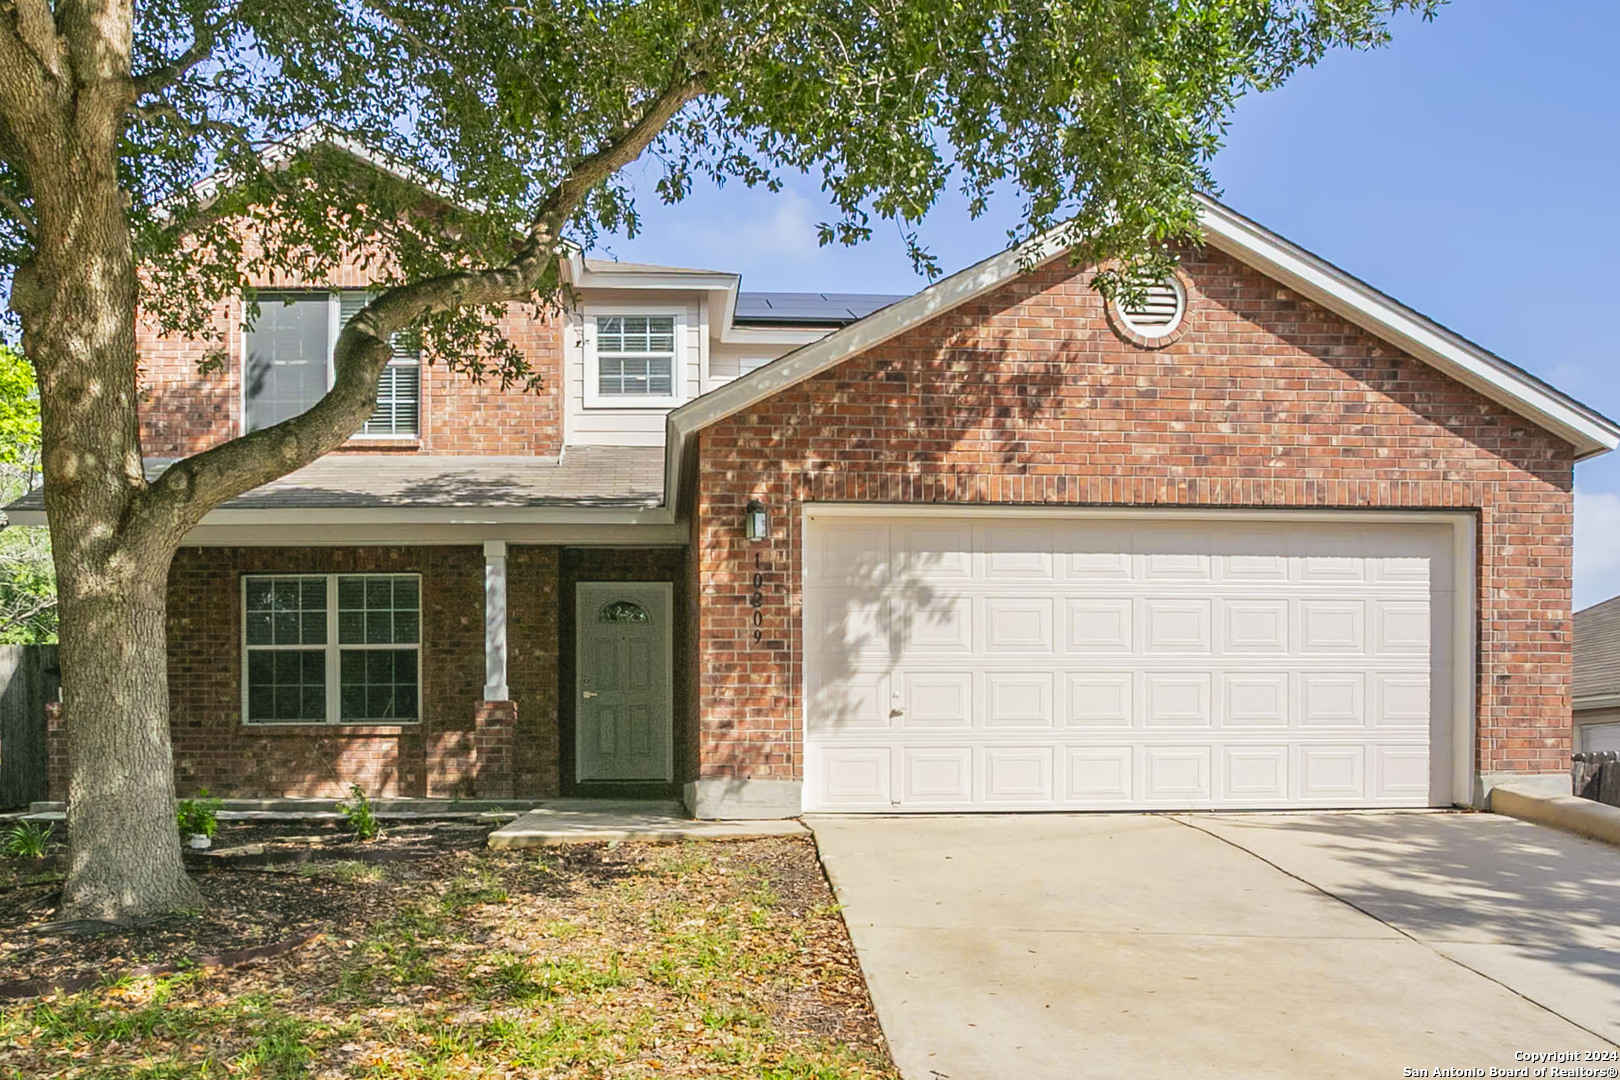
(297, 628)
(679, 362)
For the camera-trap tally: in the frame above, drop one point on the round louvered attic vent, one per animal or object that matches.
(1159, 311)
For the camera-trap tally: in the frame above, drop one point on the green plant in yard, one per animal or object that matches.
(199, 816)
(358, 815)
(28, 840)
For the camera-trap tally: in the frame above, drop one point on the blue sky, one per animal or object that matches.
(1467, 170)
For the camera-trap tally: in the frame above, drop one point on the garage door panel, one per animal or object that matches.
(1099, 776)
(1017, 625)
(935, 625)
(1400, 773)
(1333, 699)
(1177, 774)
(851, 777)
(850, 701)
(845, 624)
(1333, 773)
(1019, 699)
(1402, 628)
(1333, 626)
(1255, 775)
(1177, 699)
(1177, 626)
(1018, 775)
(1014, 552)
(1100, 699)
(1255, 699)
(1101, 624)
(1074, 664)
(936, 554)
(852, 552)
(937, 700)
(1402, 701)
(1255, 627)
(937, 775)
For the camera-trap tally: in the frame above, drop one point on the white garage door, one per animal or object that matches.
(1122, 663)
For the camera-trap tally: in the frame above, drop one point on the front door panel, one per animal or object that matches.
(622, 686)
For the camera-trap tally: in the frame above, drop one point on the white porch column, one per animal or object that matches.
(495, 688)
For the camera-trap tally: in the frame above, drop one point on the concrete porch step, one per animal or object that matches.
(588, 821)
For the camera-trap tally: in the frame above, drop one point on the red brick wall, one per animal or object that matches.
(214, 749)
(184, 411)
(1026, 396)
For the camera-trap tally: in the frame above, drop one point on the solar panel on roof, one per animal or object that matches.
(808, 307)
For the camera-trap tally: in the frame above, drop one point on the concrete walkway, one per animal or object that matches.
(586, 821)
(1054, 946)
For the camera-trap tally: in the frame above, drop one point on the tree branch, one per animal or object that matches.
(177, 500)
(19, 212)
(204, 36)
(36, 28)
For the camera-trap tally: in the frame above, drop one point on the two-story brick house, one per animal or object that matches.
(1269, 539)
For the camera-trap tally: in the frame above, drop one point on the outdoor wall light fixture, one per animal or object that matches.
(756, 526)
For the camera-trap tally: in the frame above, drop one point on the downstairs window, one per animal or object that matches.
(331, 648)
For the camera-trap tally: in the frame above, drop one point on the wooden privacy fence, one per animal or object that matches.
(29, 677)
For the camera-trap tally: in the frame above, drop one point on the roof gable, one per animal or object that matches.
(1226, 231)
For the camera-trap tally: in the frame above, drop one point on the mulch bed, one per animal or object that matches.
(254, 895)
(425, 954)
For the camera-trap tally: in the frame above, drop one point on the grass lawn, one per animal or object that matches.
(633, 960)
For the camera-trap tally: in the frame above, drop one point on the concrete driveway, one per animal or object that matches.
(1264, 945)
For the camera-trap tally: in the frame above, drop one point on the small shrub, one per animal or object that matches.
(358, 815)
(28, 840)
(199, 816)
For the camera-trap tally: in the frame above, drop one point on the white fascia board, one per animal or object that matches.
(771, 335)
(1227, 231)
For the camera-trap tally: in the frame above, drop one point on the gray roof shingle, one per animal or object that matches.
(1597, 649)
(620, 477)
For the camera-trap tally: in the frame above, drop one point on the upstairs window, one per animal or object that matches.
(289, 363)
(636, 359)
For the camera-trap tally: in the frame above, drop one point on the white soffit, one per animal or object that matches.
(1587, 430)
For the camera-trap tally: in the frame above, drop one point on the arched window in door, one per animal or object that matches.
(622, 611)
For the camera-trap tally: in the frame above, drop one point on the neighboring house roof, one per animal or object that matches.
(1227, 231)
(1597, 655)
(808, 308)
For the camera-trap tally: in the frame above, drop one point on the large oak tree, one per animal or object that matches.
(1099, 116)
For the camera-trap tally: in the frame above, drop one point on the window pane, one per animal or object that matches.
(370, 607)
(285, 369)
(285, 611)
(378, 684)
(258, 628)
(287, 685)
(635, 355)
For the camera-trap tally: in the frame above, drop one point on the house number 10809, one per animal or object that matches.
(756, 599)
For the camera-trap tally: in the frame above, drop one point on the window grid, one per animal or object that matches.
(367, 668)
(635, 356)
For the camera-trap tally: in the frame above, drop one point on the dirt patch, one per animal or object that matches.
(697, 959)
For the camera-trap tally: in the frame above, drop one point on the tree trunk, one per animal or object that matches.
(124, 854)
(76, 297)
